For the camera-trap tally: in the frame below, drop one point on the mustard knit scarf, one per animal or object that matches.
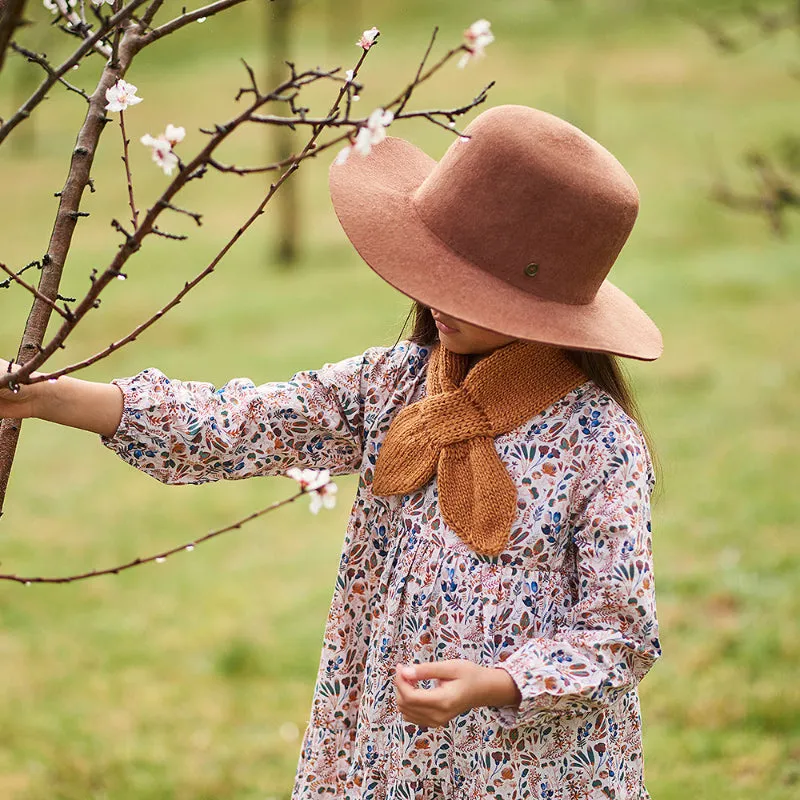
(451, 431)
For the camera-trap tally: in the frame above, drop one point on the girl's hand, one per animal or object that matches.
(95, 407)
(15, 405)
(461, 685)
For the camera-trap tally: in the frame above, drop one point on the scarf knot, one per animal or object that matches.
(450, 433)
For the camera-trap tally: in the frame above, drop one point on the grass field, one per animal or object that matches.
(192, 680)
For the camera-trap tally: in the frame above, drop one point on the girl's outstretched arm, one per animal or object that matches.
(95, 407)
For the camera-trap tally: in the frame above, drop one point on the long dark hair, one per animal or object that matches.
(604, 369)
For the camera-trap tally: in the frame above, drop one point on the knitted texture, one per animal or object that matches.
(450, 433)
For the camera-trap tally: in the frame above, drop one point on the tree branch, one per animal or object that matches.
(159, 558)
(14, 276)
(189, 17)
(30, 104)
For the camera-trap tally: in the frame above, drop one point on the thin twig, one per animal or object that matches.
(14, 276)
(421, 66)
(189, 17)
(165, 554)
(148, 15)
(7, 283)
(42, 61)
(126, 161)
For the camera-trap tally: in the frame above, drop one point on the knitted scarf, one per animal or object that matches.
(450, 433)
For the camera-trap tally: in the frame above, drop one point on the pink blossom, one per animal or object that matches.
(121, 95)
(368, 38)
(476, 39)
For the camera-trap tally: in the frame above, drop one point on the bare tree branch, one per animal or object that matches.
(189, 17)
(42, 61)
(15, 276)
(134, 37)
(159, 558)
(30, 104)
(77, 26)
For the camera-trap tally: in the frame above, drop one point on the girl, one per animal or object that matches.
(494, 609)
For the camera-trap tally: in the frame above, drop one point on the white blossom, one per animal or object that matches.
(53, 8)
(162, 145)
(100, 2)
(121, 95)
(348, 76)
(161, 151)
(368, 38)
(174, 134)
(374, 132)
(324, 497)
(342, 155)
(476, 39)
(318, 484)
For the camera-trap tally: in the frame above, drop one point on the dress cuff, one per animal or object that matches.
(142, 437)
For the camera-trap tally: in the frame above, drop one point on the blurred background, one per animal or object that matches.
(193, 679)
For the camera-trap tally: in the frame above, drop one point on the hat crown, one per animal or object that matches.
(532, 200)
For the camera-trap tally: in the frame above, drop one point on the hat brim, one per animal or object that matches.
(373, 199)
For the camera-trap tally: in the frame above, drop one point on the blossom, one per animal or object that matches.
(121, 95)
(318, 484)
(53, 8)
(174, 135)
(476, 38)
(368, 38)
(100, 2)
(348, 76)
(324, 497)
(342, 155)
(374, 132)
(162, 153)
(162, 147)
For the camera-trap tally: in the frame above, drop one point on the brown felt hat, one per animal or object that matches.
(513, 230)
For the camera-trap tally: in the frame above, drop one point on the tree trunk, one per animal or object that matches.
(287, 211)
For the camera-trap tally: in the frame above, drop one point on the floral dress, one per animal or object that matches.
(568, 609)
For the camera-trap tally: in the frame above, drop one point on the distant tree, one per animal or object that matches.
(775, 168)
(279, 52)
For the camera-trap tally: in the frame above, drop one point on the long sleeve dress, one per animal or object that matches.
(568, 609)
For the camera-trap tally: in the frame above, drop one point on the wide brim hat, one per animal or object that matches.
(513, 230)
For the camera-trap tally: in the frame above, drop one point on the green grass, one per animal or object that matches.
(190, 680)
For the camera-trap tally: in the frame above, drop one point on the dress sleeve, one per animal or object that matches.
(189, 432)
(610, 638)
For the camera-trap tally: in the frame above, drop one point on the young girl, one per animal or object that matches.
(494, 609)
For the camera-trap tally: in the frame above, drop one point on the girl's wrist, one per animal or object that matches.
(498, 688)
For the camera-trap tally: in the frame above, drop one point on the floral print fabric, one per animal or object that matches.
(568, 609)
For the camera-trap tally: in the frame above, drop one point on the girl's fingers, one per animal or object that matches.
(413, 699)
(438, 670)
